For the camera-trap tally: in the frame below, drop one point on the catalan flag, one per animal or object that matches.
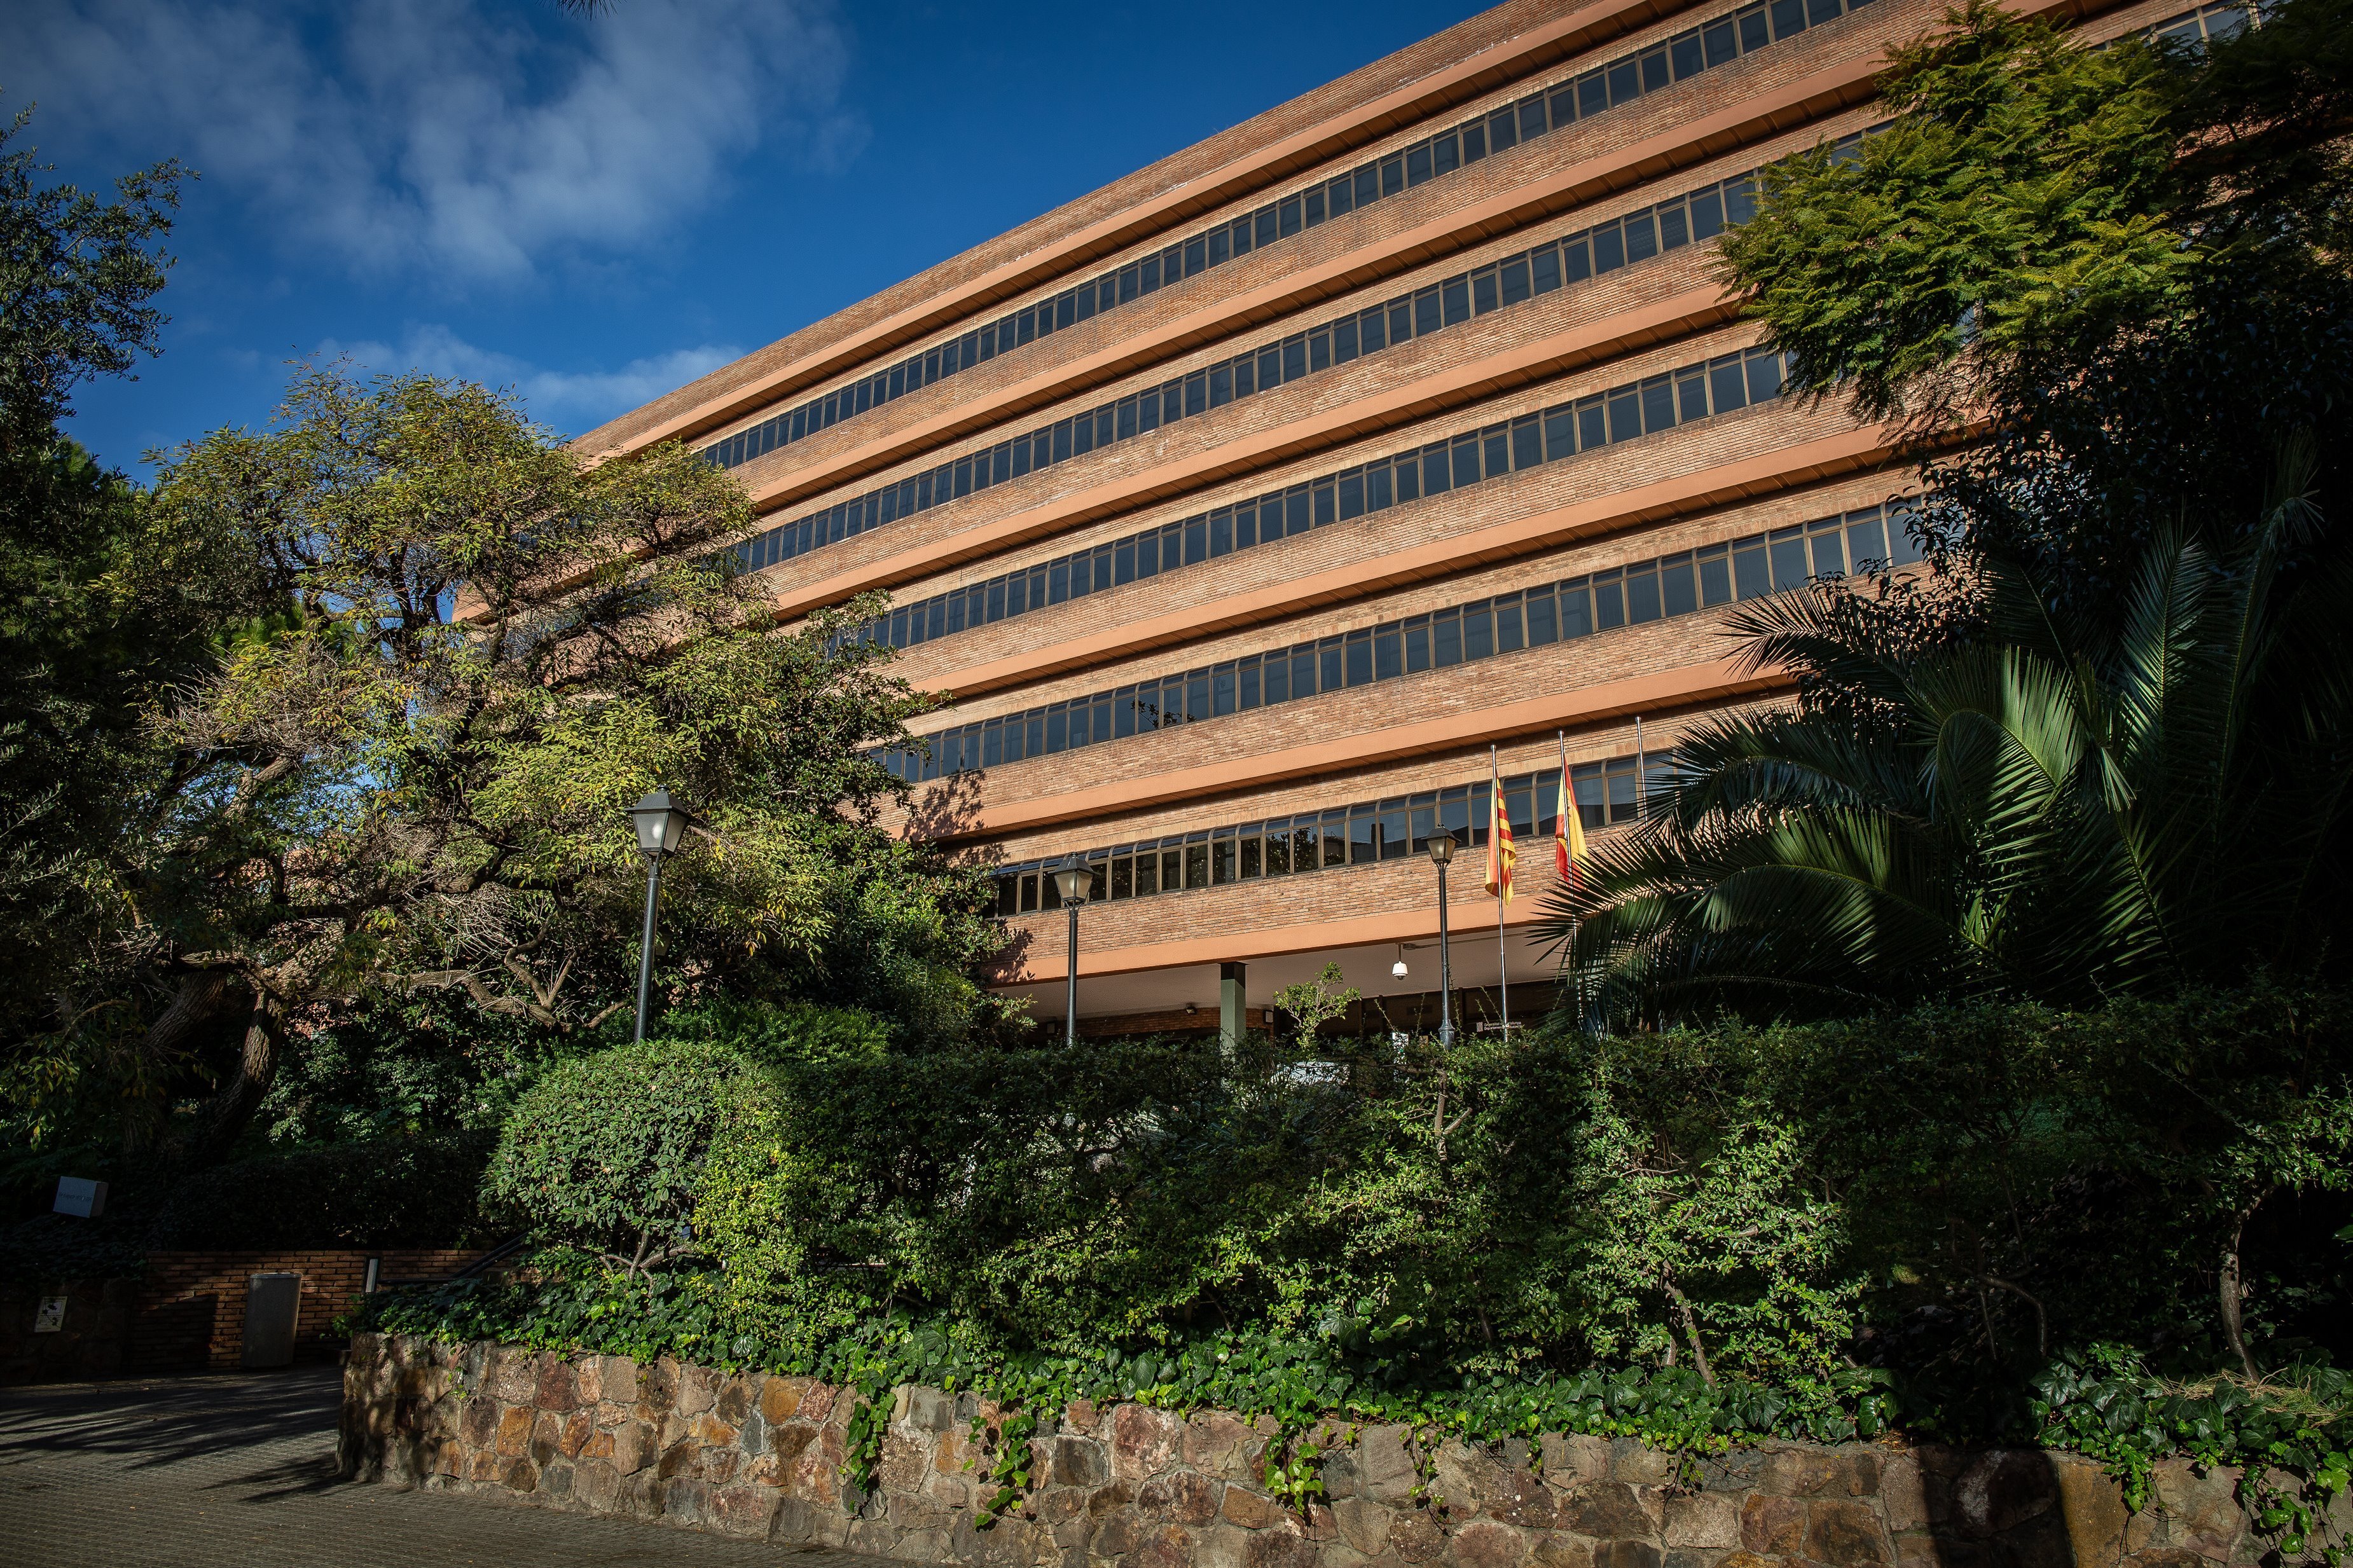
(1501, 853)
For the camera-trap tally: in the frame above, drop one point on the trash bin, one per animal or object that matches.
(273, 1304)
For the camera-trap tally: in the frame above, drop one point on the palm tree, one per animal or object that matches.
(2042, 804)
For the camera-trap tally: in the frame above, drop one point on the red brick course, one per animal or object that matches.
(187, 1312)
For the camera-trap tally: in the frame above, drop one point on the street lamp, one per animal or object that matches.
(662, 828)
(1076, 882)
(1441, 855)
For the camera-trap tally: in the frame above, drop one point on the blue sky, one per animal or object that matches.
(596, 211)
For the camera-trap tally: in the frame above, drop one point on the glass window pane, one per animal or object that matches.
(1685, 53)
(1626, 80)
(1642, 237)
(1789, 18)
(1678, 593)
(1657, 404)
(1764, 376)
(1728, 385)
(1788, 550)
(1866, 538)
(1715, 576)
(1655, 74)
(1575, 609)
(1609, 601)
(1641, 597)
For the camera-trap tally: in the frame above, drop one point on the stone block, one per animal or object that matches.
(1483, 1543)
(1845, 1533)
(1385, 1469)
(1283, 1545)
(515, 1430)
(903, 1464)
(1219, 1546)
(1468, 1475)
(698, 1390)
(1363, 1525)
(1185, 1497)
(478, 1427)
(2203, 1508)
(1902, 1500)
(1080, 1416)
(519, 1476)
(1216, 1445)
(596, 1485)
(2092, 1508)
(910, 1510)
(1077, 1462)
(555, 1482)
(1610, 1510)
(657, 1388)
(930, 1410)
(546, 1435)
(632, 1446)
(1559, 1549)
(780, 1398)
(1253, 1510)
(1772, 1526)
(1568, 1459)
(734, 1405)
(796, 1520)
(1627, 1554)
(1818, 1472)
(1415, 1537)
(1521, 1498)
(1143, 1441)
(1703, 1518)
(686, 1501)
(1338, 1469)
(514, 1375)
(1636, 1463)
(559, 1387)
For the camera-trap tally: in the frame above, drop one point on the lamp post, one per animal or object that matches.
(1076, 882)
(662, 828)
(1441, 855)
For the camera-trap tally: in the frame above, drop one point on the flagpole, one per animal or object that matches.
(1566, 796)
(1496, 815)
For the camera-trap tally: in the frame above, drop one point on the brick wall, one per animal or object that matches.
(187, 1313)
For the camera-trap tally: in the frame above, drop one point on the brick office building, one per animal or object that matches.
(1246, 503)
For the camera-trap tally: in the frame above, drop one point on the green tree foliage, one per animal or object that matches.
(2103, 747)
(606, 1152)
(97, 615)
(410, 777)
(2054, 807)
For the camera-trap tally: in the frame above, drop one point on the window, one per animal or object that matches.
(1632, 595)
(1713, 43)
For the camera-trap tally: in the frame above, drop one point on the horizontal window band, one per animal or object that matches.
(1716, 386)
(1715, 42)
(992, 812)
(1607, 795)
(1667, 587)
(1693, 217)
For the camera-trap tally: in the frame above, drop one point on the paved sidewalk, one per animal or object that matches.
(239, 1472)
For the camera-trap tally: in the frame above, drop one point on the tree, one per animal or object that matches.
(2102, 746)
(412, 776)
(97, 616)
(2040, 809)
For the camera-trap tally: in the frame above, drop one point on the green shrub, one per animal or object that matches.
(604, 1152)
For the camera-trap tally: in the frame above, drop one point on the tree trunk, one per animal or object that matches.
(231, 1108)
(2233, 1291)
(1691, 1331)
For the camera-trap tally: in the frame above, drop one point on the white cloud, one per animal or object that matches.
(573, 400)
(431, 136)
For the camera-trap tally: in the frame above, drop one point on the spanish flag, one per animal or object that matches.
(1501, 854)
(1568, 832)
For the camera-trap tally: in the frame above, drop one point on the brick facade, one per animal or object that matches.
(1710, 480)
(187, 1312)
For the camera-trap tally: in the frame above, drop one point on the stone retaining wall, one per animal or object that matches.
(1133, 1486)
